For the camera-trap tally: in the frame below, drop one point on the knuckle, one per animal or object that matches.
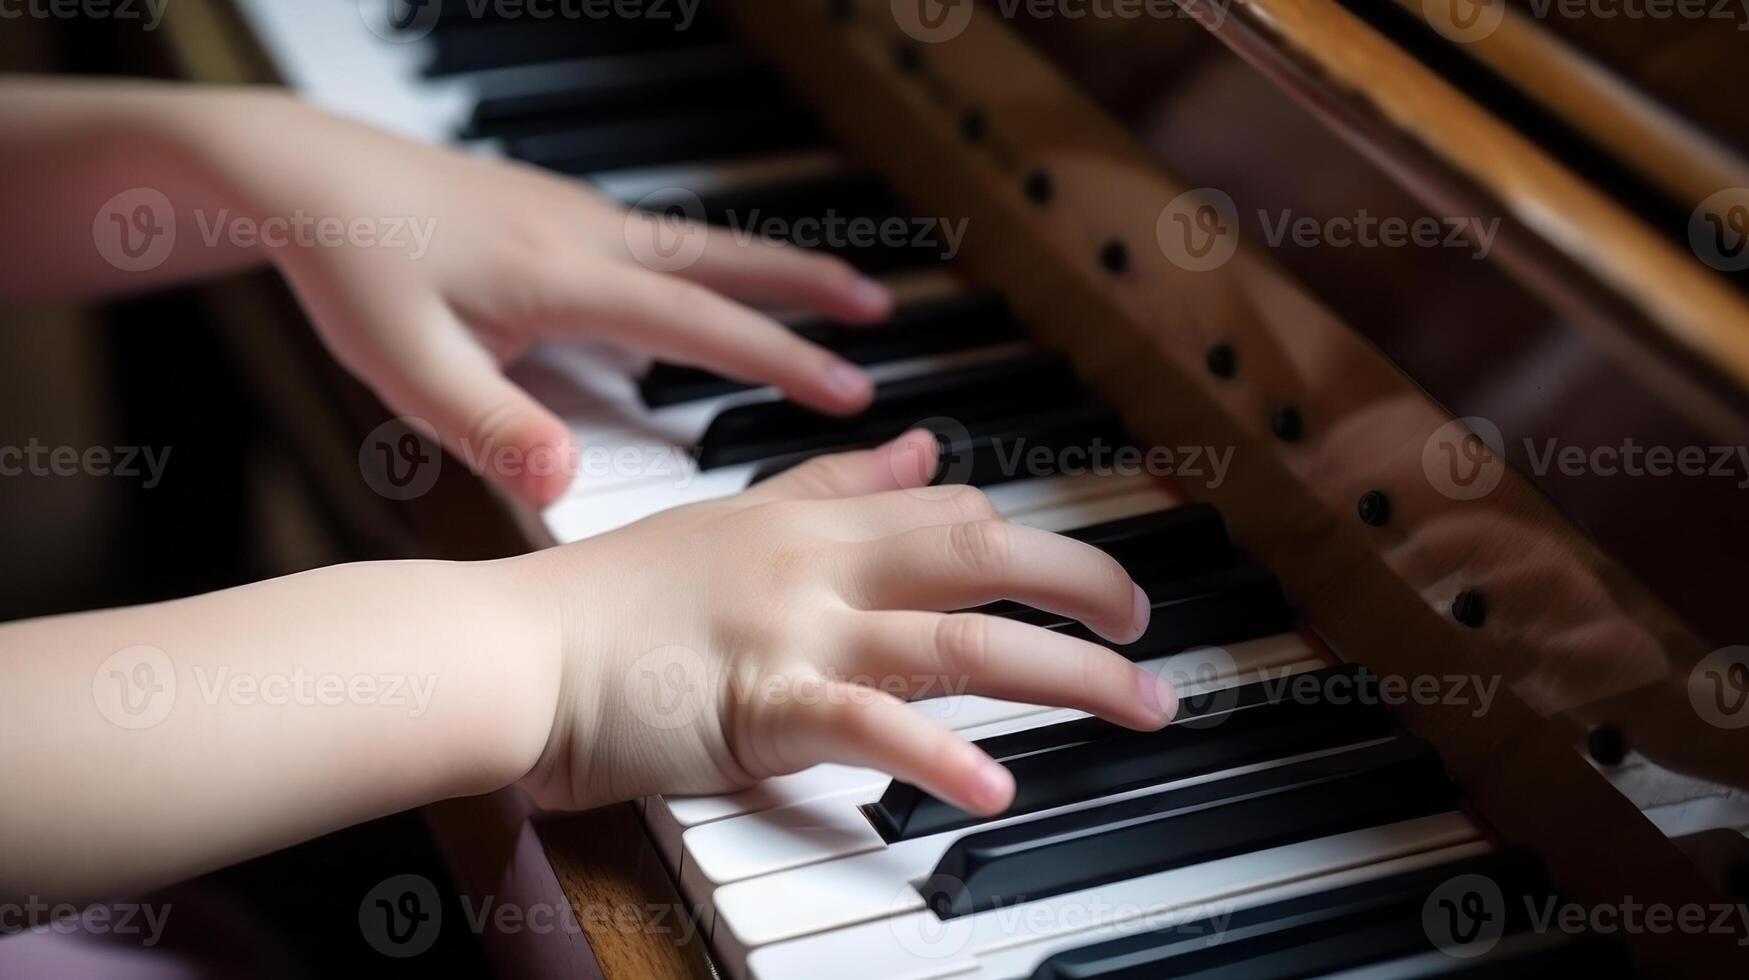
(981, 546)
(970, 503)
(817, 475)
(962, 644)
(1104, 675)
(857, 721)
(684, 301)
(832, 273)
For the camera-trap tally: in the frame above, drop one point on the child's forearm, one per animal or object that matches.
(146, 745)
(95, 175)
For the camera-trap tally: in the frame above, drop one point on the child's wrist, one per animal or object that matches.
(518, 717)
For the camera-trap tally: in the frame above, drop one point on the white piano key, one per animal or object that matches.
(965, 711)
(831, 827)
(919, 945)
(1074, 514)
(838, 891)
(818, 782)
(617, 70)
(670, 816)
(1019, 962)
(328, 54)
(633, 184)
(607, 419)
(876, 886)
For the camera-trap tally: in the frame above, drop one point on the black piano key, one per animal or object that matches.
(790, 201)
(576, 107)
(1371, 786)
(1000, 450)
(467, 44)
(1022, 386)
(1230, 605)
(1523, 956)
(800, 211)
(1157, 549)
(673, 138)
(1166, 544)
(1247, 933)
(942, 326)
(1396, 942)
(1088, 758)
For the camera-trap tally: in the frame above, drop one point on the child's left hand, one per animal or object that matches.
(516, 256)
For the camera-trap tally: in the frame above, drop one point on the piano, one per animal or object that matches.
(1451, 707)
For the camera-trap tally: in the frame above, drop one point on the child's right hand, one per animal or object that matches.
(715, 645)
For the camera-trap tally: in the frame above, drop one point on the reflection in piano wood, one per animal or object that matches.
(1126, 186)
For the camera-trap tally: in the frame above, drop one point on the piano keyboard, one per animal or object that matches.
(1267, 833)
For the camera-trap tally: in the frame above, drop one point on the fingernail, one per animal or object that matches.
(993, 786)
(1157, 695)
(871, 297)
(913, 460)
(847, 382)
(1141, 612)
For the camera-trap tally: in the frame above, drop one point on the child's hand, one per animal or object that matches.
(517, 256)
(715, 645)
(425, 270)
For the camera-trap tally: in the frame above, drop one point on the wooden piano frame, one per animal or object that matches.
(1052, 189)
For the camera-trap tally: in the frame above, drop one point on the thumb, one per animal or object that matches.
(903, 464)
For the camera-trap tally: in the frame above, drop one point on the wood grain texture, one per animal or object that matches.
(1569, 634)
(1694, 307)
(622, 893)
(1682, 159)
